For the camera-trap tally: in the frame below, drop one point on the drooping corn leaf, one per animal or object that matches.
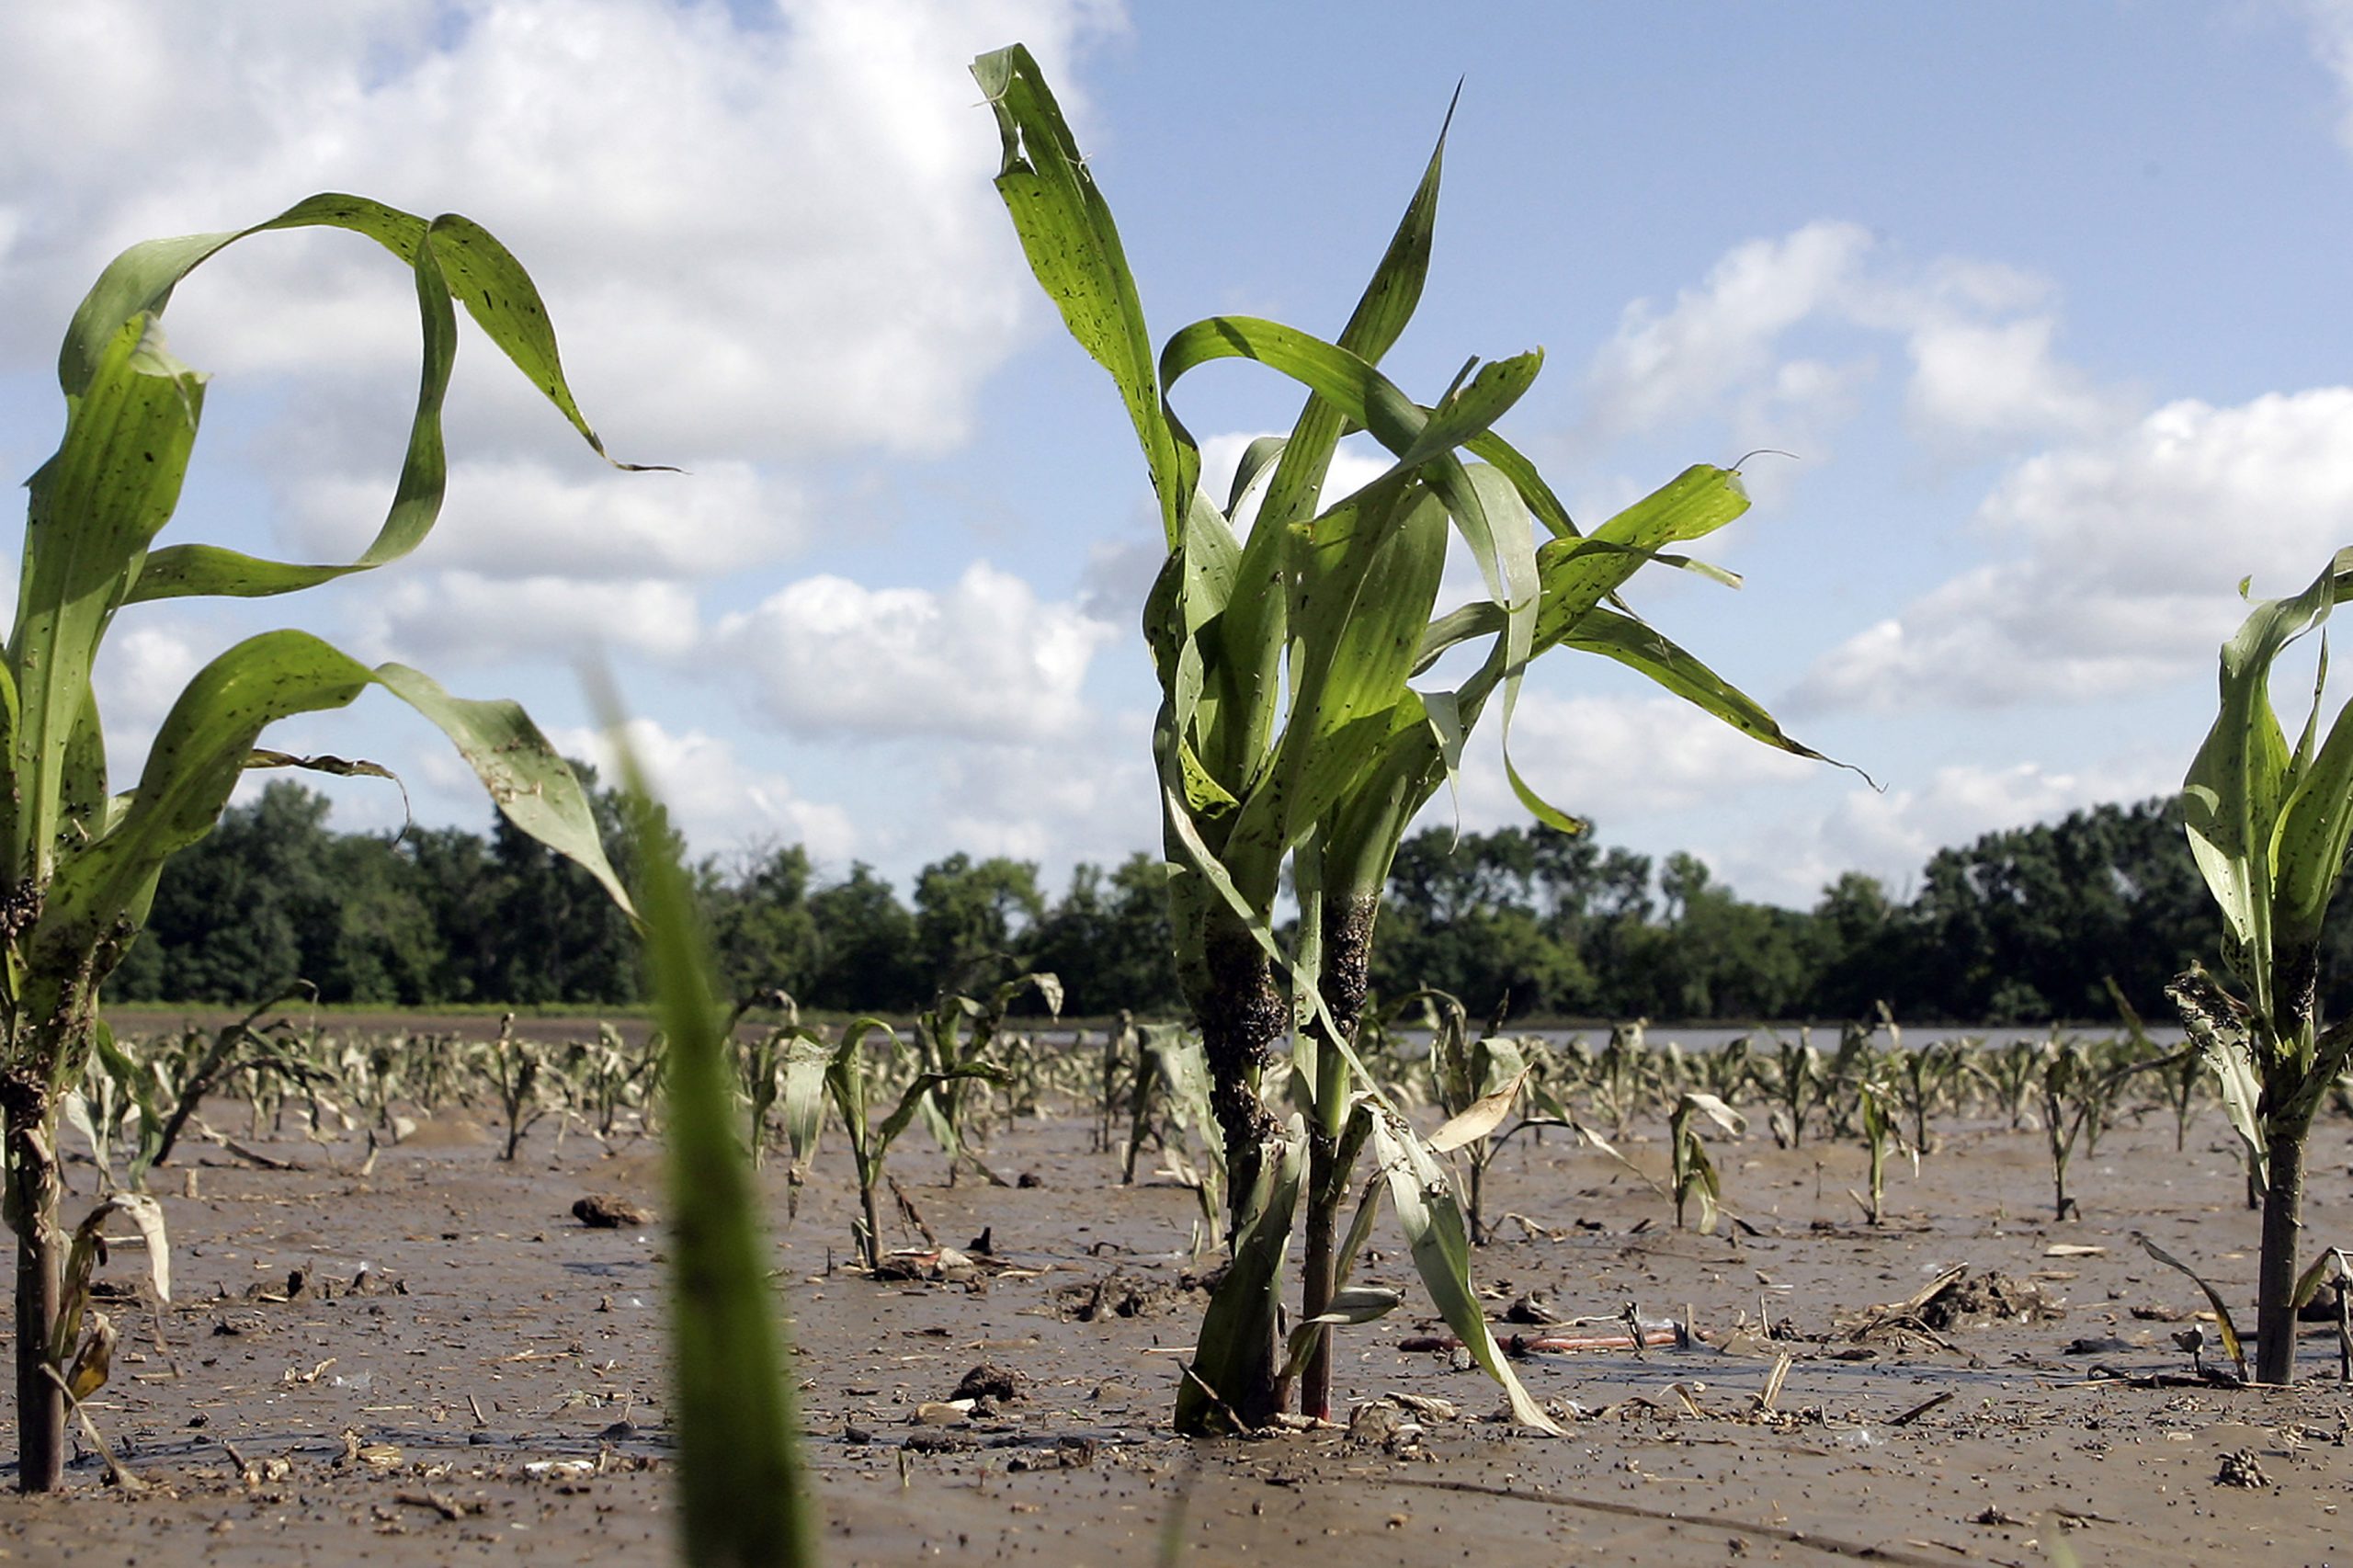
(2231, 1344)
(1478, 1119)
(2332, 1264)
(449, 257)
(2218, 1028)
(1427, 1207)
(201, 750)
(803, 1094)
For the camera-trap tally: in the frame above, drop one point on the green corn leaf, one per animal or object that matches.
(1348, 380)
(96, 504)
(2310, 838)
(1579, 573)
(1534, 491)
(2231, 1344)
(2218, 1028)
(1074, 248)
(448, 256)
(744, 1499)
(526, 778)
(1255, 467)
(2237, 783)
(205, 741)
(1466, 413)
(1354, 1304)
(1358, 634)
(1427, 1207)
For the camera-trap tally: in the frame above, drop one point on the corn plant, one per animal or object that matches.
(955, 1043)
(2013, 1072)
(82, 860)
(516, 1067)
(1877, 1118)
(1478, 1081)
(1695, 1174)
(2269, 827)
(743, 1500)
(1792, 1079)
(849, 1076)
(1289, 737)
(1621, 1076)
(163, 1085)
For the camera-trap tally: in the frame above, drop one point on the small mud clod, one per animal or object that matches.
(1003, 1385)
(2241, 1467)
(606, 1211)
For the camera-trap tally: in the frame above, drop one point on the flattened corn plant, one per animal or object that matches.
(2269, 827)
(1291, 736)
(81, 859)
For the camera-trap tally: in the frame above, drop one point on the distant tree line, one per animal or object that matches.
(2021, 926)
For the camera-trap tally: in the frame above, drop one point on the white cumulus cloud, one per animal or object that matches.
(762, 232)
(464, 616)
(712, 797)
(984, 660)
(2125, 548)
(1980, 340)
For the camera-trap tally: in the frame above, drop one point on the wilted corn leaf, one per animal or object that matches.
(1427, 1207)
(94, 1363)
(1351, 1304)
(2332, 1264)
(2230, 1346)
(1483, 1116)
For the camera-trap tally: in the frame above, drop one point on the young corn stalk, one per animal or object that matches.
(815, 1072)
(514, 1067)
(78, 860)
(1791, 1080)
(1477, 1081)
(1289, 737)
(1695, 1174)
(2269, 827)
(956, 1042)
(1877, 1111)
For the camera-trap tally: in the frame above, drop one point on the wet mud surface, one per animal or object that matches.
(433, 1360)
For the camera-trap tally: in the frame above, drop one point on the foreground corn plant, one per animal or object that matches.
(743, 1496)
(81, 860)
(2269, 827)
(1289, 737)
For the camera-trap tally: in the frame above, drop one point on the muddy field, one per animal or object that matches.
(432, 1360)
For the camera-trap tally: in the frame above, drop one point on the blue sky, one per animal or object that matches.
(2046, 302)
